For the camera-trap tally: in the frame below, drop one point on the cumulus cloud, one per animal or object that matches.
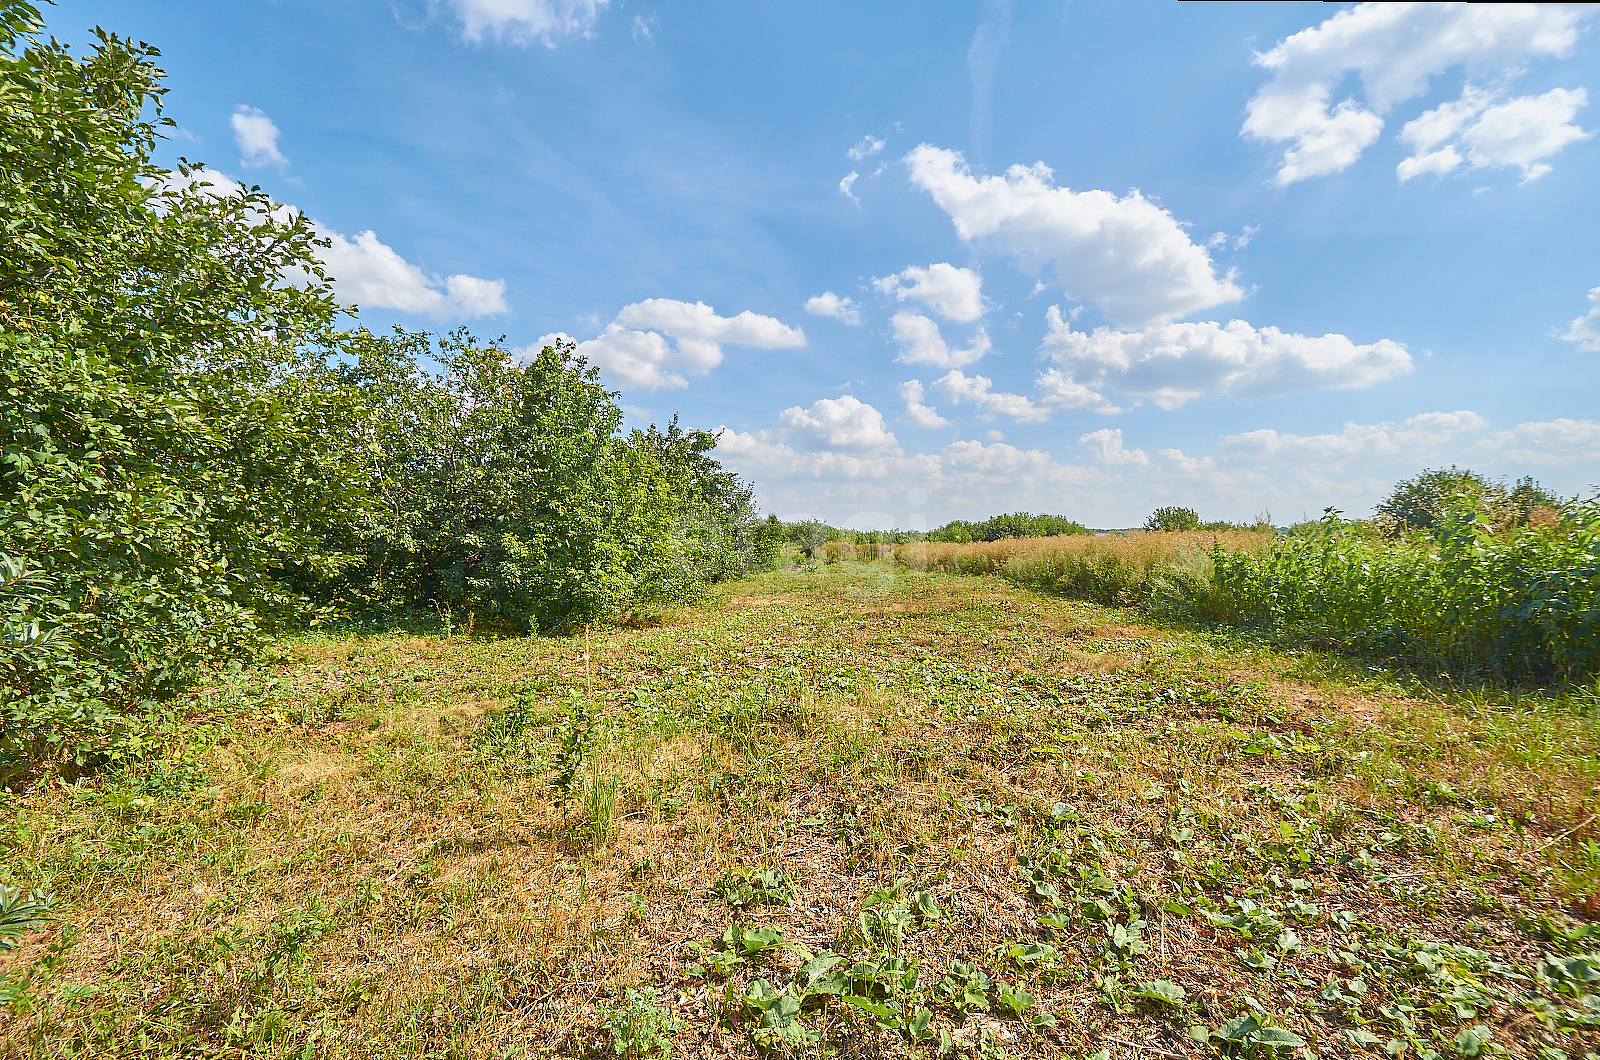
(257, 138)
(869, 146)
(1172, 364)
(1585, 330)
(958, 388)
(1105, 447)
(827, 304)
(1418, 436)
(955, 294)
(843, 424)
(1475, 130)
(847, 184)
(633, 348)
(526, 21)
(364, 270)
(686, 320)
(1394, 49)
(921, 343)
(1552, 443)
(1127, 255)
(1056, 390)
(917, 413)
(372, 274)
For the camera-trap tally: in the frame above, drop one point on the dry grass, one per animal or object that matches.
(365, 855)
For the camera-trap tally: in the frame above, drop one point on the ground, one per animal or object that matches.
(850, 811)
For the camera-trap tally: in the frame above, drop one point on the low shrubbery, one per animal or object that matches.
(1520, 603)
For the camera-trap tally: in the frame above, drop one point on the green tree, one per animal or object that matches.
(168, 437)
(1173, 518)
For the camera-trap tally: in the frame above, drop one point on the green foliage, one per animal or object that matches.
(1519, 604)
(22, 912)
(167, 438)
(1016, 524)
(641, 1028)
(1172, 518)
(507, 494)
(1420, 502)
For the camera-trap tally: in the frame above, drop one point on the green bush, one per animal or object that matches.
(1173, 519)
(167, 439)
(1516, 604)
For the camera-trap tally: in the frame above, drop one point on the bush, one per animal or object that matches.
(168, 434)
(1516, 604)
(1172, 520)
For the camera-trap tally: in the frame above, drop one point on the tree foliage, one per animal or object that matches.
(193, 455)
(1419, 502)
(166, 445)
(1173, 518)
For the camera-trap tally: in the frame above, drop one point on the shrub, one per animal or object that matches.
(1173, 519)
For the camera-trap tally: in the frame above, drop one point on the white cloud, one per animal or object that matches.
(1418, 437)
(257, 138)
(1395, 49)
(958, 388)
(526, 21)
(1128, 256)
(1553, 443)
(372, 275)
(635, 355)
(696, 320)
(1585, 330)
(365, 270)
(847, 183)
(1173, 364)
(1519, 132)
(1058, 391)
(955, 294)
(921, 343)
(869, 146)
(842, 424)
(828, 304)
(917, 413)
(1107, 450)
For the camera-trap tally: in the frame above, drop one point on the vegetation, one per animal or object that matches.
(194, 458)
(1173, 519)
(282, 774)
(865, 809)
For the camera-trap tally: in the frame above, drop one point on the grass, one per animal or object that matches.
(857, 810)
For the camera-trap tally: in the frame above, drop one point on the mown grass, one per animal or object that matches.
(1031, 826)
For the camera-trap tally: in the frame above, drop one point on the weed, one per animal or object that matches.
(641, 1028)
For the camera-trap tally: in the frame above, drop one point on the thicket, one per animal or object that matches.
(194, 456)
(1514, 603)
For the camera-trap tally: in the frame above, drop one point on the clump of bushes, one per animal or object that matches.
(1515, 603)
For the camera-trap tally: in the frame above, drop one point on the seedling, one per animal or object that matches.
(641, 1028)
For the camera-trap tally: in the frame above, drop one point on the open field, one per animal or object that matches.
(999, 823)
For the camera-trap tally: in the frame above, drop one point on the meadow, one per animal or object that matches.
(849, 809)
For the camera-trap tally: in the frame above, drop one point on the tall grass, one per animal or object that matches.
(1514, 604)
(1519, 604)
(1133, 569)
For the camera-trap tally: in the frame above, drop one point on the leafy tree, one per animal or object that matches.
(167, 435)
(1015, 524)
(1418, 502)
(1173, 518)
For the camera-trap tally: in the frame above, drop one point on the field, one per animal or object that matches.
(855, 810)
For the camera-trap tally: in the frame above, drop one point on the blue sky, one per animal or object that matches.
(936, 262)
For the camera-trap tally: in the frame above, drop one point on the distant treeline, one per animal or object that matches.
(810, 533)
